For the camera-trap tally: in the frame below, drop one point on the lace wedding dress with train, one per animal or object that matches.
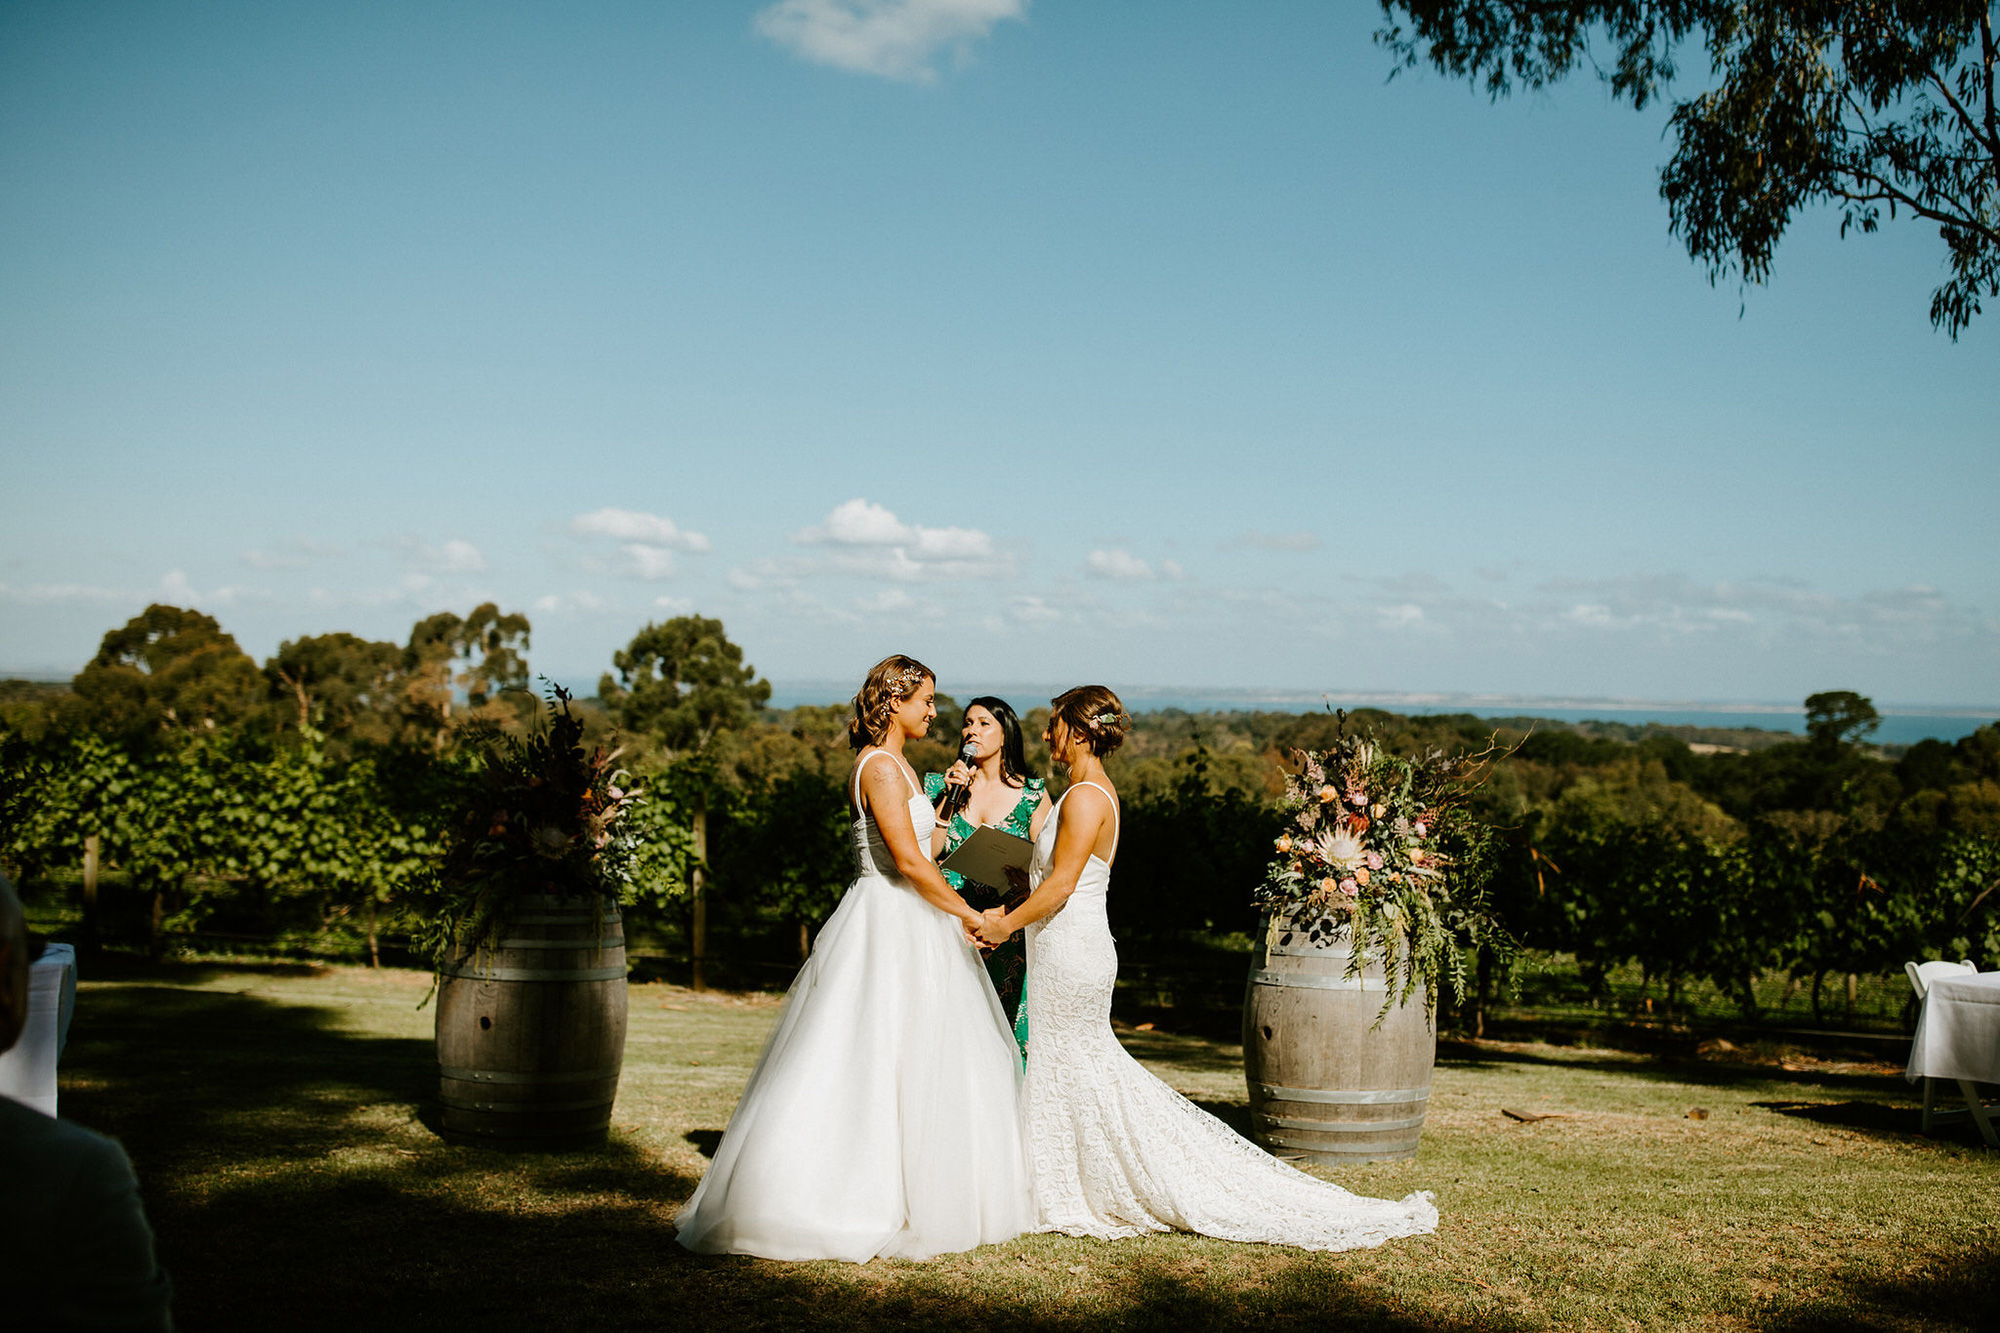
(1114, 1152)
(883, 1117)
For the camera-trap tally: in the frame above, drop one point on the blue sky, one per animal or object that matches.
(1164, 344)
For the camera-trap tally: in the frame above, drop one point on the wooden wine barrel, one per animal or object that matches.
(1325, 1083)
(531, 1032)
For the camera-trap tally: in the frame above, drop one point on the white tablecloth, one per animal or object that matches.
(28, 1072)
(1958, 1030)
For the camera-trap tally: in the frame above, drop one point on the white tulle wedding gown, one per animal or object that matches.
(1115, 1152)
(883, 1117)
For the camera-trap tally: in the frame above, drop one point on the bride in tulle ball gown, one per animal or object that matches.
(1113, 1151)
(883, 1116)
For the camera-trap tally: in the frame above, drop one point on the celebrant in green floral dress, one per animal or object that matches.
(994, 788)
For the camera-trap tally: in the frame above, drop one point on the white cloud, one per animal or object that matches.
(294, 553)
(1119, 564)
(456, 556)
(895, 39)
(632, 525)
(176, 590)
(1281, 541)
(412, 590)
(644, 561)
(569, 601)
(1029, 609)
(679, 606)
(886, 601)
(866, 540)
(1171, 569)
(57, 593)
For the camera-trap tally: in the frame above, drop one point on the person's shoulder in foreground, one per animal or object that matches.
(75, 1250)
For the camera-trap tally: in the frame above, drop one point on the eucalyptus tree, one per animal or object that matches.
(477, 656)
(340, 684)
(166, 671)
(1861, 107)
(679, 683)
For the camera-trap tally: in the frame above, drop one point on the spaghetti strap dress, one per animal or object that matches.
(883, 1117)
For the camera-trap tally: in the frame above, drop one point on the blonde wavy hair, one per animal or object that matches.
(1093, 715)
(890, 681)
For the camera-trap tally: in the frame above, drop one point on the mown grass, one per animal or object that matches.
(279, 1118)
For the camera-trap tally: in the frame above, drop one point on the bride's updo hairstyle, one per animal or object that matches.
(1094, 715)
(890, 681)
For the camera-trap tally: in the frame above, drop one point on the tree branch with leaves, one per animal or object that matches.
(1859, 106)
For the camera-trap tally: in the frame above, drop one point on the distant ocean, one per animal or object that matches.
(1901, 724)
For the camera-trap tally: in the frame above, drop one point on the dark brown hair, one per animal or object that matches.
(1094, 715)
(890, 681)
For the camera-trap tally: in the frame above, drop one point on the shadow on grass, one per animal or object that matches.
(1208, 1057)
(1959, 1293)
(376, 1256)
(1666, 1069)
(1879, 1120)
(290, 1186)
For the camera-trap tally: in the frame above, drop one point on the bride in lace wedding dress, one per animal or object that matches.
(882, 1117)
(1113, 1151)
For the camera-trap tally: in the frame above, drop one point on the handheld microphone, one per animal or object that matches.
(956, 797)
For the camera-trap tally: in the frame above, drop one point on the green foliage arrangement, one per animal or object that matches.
(1385, 854)
(540, 818)
(546, 814)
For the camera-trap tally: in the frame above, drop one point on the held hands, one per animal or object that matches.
(991, 932)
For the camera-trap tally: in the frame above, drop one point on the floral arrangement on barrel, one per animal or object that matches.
(544, 815)
(1384, 854)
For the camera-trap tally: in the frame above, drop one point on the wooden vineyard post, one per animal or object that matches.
(93, 848)
(699, 941)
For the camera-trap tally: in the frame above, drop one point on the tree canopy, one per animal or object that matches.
(1864, 107)
(340, 683)
(167, 668)
(681, 681)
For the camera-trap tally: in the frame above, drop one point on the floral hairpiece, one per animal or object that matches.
(1106, 719)
(899, 685)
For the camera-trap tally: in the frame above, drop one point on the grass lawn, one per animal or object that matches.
(277, 1116)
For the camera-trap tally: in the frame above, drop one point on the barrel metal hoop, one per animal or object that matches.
(538, 973)
(1340, 956)
(1324, 1150)
(1339, 1127)
(522, 1108)
(608, 942)
(1342, 1096)
(502, 1076)
(1263, 976)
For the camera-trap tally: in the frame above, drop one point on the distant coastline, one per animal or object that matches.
(1902, 724)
